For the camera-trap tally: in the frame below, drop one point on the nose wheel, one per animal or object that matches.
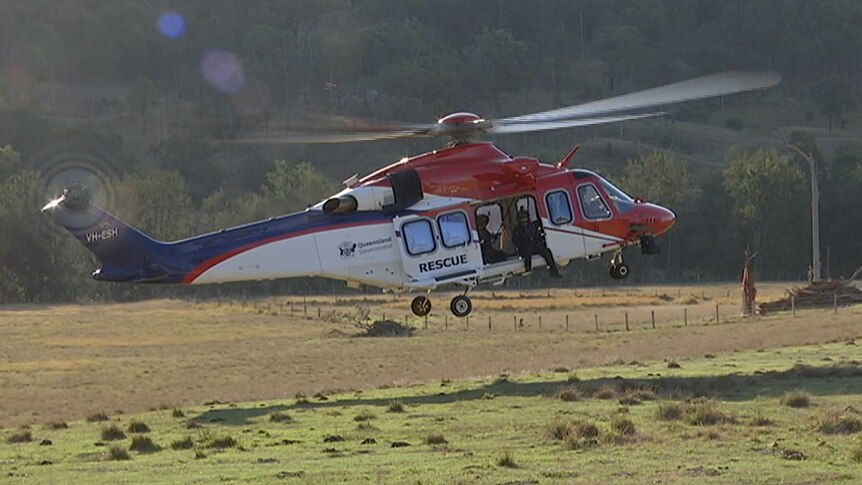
(461, 306)
(421, 306)
(618, 269)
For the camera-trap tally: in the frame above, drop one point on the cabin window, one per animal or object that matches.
(419, 237)
(592, 203)
(559, 207)
(624, 203)
(454, 230)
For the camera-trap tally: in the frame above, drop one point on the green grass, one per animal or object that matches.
(720, 419)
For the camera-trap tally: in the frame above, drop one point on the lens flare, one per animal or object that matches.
(172, 25)
(223, 71)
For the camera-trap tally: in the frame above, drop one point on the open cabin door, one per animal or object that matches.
(437, 250)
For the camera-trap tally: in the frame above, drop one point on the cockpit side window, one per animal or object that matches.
(592, 203)
(619, 198)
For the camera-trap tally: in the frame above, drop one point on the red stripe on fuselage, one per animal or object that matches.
(206, 265)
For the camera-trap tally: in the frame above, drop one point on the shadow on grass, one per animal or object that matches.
(819, 381)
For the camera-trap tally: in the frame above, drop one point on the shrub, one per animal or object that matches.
(95, 417)
(364, 416)
(183, 444)
(836, 422)
(143, 444)
(507, 460)
(178, 413)
(280, 417)
(395, 406)
(605, 392)
(23, 436)
(112, 433)
(796, 399)
(436, 439)
(760, 420)
(138, 427)
(118, 453)
(57, 425)
(622, 425)
(200, 455)
(856, 453)
(669, 411)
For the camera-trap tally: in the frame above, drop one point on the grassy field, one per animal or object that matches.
(249, 361)
(788, 416)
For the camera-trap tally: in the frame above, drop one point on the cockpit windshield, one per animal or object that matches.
(623, 202)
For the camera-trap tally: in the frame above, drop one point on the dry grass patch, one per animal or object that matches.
(23, 436)
(365, 415)
(760, 420)
(395, 406)
(222, 442)
(559, 430)
(705, 412)
(178, 413)
(143, 444)
(436, 439)
(604, 392)
(796, 399)
(622, 425)
(55, 425)
(138, 427)
(584, 429)
(837, 422)
(96, 417)
(118, 453)
(112, 433)
(507, 460)
(281, 417)
(570, 393)
(669, 411)
(856, 453)
(183, 444)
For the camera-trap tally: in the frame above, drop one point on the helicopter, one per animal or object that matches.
(412, 225)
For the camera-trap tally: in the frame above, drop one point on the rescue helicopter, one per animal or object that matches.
(412, 225)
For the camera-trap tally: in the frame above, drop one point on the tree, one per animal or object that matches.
(501, 62)
(9, 162)
(296, 185)
(141, 96)
(659, 177)
(768, 198)
(158, 202)
(834, 95)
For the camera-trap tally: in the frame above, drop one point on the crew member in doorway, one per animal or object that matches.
(488, 241)
(529, 237)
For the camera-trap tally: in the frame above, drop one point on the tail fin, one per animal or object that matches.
(126, 254)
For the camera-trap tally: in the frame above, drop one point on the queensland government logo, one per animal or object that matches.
(347, 249)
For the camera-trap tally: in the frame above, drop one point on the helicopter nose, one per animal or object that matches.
(662, 219)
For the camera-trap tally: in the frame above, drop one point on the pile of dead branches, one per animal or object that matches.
(386, 328)
(822, 294)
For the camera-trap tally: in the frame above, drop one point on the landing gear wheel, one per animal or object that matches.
(619, 271)
(421, 306)
(461, 306)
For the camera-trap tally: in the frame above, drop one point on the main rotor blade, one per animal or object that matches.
(555, 125)
(720, 84)
(337, 137)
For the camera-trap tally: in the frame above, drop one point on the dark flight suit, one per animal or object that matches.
(530, 240)
(490, 254)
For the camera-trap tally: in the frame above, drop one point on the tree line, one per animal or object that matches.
(132, 91)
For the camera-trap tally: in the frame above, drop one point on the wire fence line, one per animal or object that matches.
(594, 318)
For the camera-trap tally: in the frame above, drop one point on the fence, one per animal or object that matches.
(717, 308)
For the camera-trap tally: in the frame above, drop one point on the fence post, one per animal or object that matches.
(468, 322)
(515, 322)
(489, 323)
(793, 304)
(685, 316)
(540, 322)
(445, 322)
(596, 318)
(426, 322)
(652, 317)
(567, 322)
(305, 306)
(627, 321)
(318, 312)
(716, 313)
(384, 316)
(835, 301)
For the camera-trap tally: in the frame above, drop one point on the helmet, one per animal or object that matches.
(482, 219)
(523, 214)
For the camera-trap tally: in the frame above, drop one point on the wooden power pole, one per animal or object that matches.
(816, 274)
